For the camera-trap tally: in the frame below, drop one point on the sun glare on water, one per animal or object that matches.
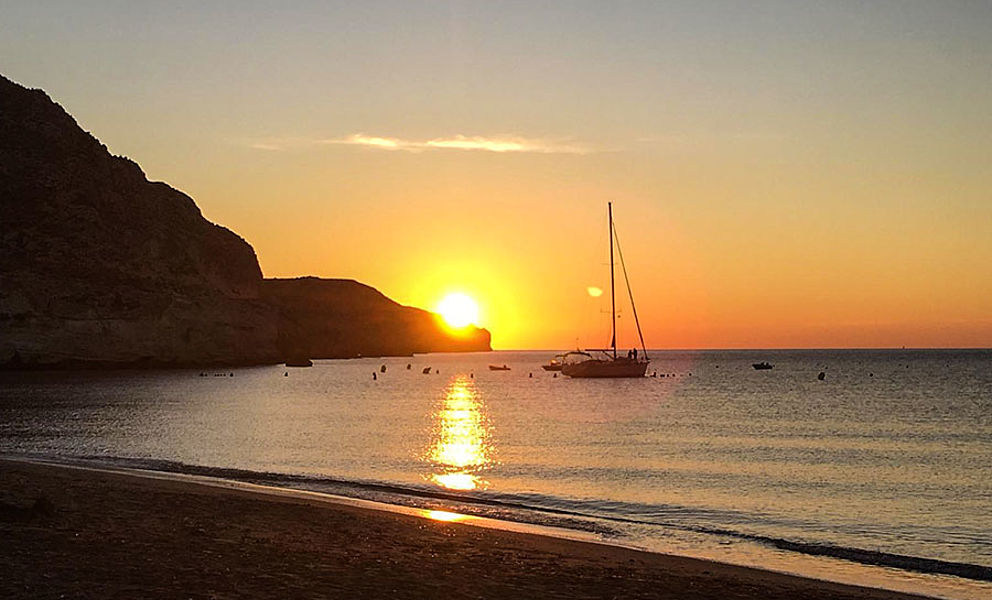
(458, 310)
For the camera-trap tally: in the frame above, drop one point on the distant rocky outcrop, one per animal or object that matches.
(99, 266)
(341, 318)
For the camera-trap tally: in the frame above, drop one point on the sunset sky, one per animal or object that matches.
(784, 174)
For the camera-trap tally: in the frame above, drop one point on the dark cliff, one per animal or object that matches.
(99, 266)
(340, 318)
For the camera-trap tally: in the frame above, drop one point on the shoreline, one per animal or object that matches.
(101, 532)
(837, 564)
(323, 497)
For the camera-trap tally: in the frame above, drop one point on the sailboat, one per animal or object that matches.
(607, 363)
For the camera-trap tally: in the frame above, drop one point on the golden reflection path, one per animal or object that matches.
(461, 438)
(443, 515)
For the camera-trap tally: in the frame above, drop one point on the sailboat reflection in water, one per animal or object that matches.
(461, 445)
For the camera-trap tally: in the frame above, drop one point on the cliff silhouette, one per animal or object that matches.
(101, 267)
(339, 318)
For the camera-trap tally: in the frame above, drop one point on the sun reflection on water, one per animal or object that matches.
(461, 440)
(443, 515)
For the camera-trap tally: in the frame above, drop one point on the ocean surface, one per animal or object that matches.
(878, 474)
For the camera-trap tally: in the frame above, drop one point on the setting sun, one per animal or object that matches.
(458, 310)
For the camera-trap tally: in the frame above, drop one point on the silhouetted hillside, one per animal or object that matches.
(337, 318)
(99, 266)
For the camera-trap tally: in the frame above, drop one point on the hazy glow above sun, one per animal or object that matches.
(458, 310)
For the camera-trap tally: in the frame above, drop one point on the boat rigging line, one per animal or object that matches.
(623, 266)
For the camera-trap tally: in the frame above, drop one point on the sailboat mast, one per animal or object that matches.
(613, 301)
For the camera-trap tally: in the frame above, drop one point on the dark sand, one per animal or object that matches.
(118, 535)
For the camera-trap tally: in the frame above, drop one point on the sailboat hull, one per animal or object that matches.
(606, 368)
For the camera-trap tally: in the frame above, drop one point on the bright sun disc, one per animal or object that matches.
(458, 310)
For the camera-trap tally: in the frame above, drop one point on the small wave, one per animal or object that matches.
(539, 509)
(867, 557)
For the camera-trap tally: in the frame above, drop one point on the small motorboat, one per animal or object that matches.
(555, 363)
(762, 366)
(498, 368)
(426, 371)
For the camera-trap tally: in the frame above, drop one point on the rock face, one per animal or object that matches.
(341, 318)
(99, 266)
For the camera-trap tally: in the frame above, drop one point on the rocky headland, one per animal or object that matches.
(101, 267)
(340, 318)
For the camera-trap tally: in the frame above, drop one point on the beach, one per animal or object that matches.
(82, 533)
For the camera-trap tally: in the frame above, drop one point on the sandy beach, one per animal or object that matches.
(92, 534)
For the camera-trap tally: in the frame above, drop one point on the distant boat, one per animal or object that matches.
(583, 364)
(762, 366)
(299, 362)
(498, 368)
(426, 371)
(554, 364)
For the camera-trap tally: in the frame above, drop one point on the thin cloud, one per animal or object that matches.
(498, 144)
(360, 139)
(267, 146)
(462, 142)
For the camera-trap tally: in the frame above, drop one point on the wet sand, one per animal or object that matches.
(97, 534)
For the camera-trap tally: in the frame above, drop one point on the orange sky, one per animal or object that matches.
(783, 174)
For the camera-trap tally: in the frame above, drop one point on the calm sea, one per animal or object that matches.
(880, 473)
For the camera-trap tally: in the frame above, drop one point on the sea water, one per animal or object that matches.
(878, 473)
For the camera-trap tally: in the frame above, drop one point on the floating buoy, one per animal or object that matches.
(408, 365)
(286, 374)
(373, 376)
(382, 369)
(530, 375)
(821, 376)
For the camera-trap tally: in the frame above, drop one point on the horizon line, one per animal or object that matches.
(771, 348)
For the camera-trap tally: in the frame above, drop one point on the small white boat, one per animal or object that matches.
(555, 363)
